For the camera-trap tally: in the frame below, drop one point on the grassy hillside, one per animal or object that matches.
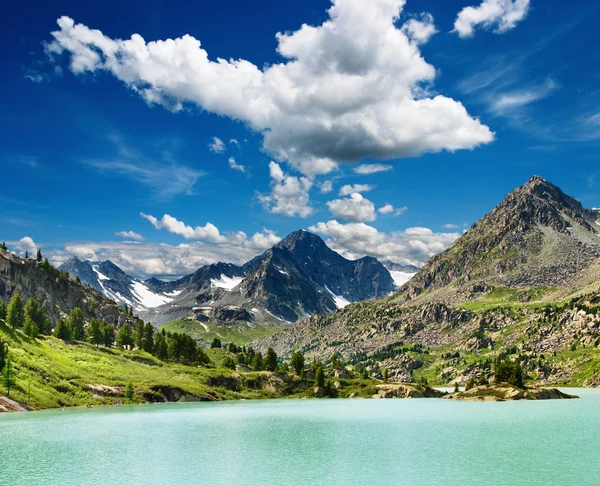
(238, 334)
(51, 373)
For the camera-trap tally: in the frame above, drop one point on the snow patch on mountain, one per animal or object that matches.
(340, 302)
(400, 278)
(146, 298)
(227, 283)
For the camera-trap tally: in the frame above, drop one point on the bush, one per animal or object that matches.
(508, 372)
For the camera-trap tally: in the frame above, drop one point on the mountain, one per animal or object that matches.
(400, 273)
(114, 283)
(298, 277)
(525, 280)
(538, 236)
(56, 294)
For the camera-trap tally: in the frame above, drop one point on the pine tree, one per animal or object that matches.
(39, 256)
(3, 353)
(129, 392)
(297, 362)
(385, 375)
(3, 246)
(160, 347)
(26, 255)
(148, 340)
(138, 335)
(270, 360)
(37, 315)
(2, 310)
(125, 336)
(108, 334)
(8, 376)
(320, 377)
(76, 322)
(30, 328)
(216, 343)
(62, 330)
(94, 332)
(257, 362)
(15, 314)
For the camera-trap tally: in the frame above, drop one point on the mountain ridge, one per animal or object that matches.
(298, 277)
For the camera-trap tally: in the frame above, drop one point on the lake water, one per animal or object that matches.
(291, 442)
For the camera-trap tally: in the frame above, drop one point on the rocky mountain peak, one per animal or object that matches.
(537, 236)
(302, 241)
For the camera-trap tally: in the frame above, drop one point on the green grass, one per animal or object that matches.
(51, 373)
(505, 295)
(238, 334)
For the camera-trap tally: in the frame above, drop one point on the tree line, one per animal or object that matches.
(31, 318)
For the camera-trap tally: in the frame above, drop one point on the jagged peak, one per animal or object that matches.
(291, 240)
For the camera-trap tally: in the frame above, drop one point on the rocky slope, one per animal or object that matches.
(524, 281)
(299, 277)
(57, 296)
(538, 236)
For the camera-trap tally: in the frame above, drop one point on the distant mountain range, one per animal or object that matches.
(298, 277)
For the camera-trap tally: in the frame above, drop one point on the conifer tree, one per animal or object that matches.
(129, 391)
(3, 353)
(8, 376)
(3, 246)
(320, 377)
(26, 255)
(148, 339)
(15, 314)
(270, 360)
(39, 256)
(108, 334)
(297, 362)
(2, 310)
(76, 323)
(94, 332)
(30, 328)
(62, 330)
(36, 315)
(138, 335)
(125, 336)
(257, 362)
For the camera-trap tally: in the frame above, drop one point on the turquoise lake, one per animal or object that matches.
(289, 442)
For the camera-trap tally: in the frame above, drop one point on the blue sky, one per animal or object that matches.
(97, 131)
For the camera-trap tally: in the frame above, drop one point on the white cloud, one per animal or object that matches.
(264, 240)
(500, 15)
(144, 260)
(355, 86)
(350, 188)
(413, 246)
(389, 209)
(235, 166)
(23, 245)
(420, 30)
(451, 226)
(130, 235)
(355, 208)
(166, 177)
(504, 103)
(326, 187)
(289, 194)
(217, 146)
(367, 169)
(235, 142)
(208, 232)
